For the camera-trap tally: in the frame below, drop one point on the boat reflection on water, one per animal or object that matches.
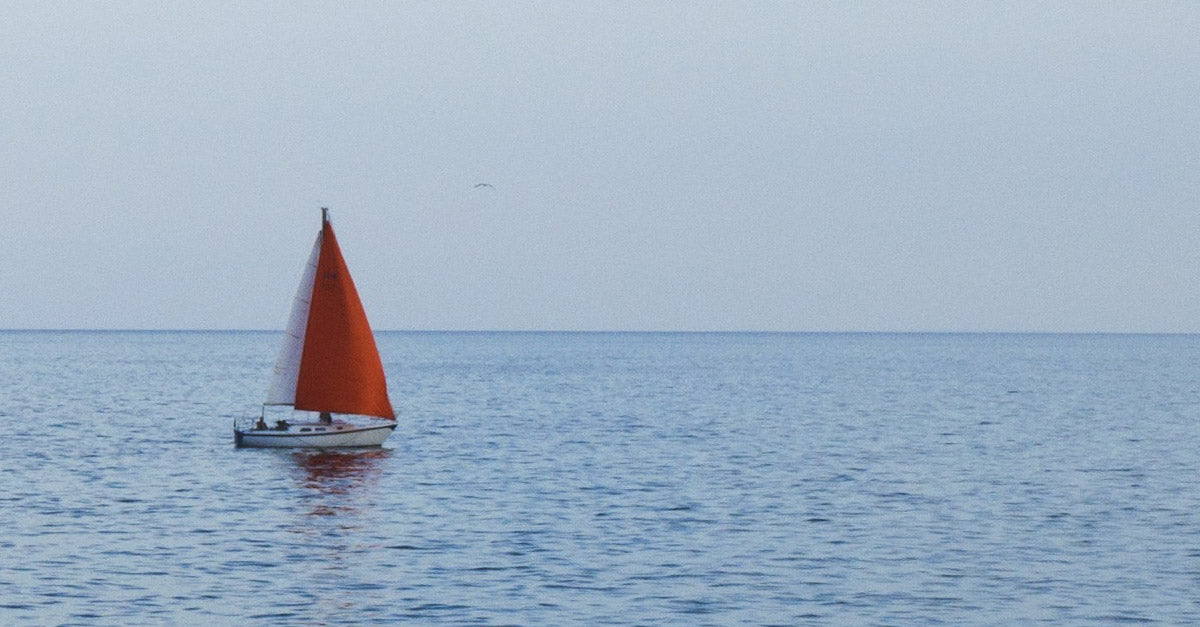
(339, 472)
(335, 497)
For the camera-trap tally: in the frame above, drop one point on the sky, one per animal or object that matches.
(792, 166)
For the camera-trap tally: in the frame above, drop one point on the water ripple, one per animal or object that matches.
(666, 479)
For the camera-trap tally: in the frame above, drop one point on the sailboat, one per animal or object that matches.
(328, 364)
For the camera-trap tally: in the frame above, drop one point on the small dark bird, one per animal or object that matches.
(484, 185)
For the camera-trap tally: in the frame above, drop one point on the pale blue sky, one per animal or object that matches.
(696, 166)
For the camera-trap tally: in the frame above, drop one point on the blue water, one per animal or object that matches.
(631, 479)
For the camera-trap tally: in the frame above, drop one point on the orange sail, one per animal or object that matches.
(340, 370)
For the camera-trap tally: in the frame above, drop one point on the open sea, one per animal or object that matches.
(611, 478)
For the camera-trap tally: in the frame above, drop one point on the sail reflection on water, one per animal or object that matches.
(339, 471)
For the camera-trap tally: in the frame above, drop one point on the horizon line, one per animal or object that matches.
(604, 331)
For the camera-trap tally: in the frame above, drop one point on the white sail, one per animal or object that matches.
(287, 366)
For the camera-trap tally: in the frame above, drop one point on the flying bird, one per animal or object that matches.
(484, 185)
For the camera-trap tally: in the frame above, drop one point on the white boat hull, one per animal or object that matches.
(314, 436)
